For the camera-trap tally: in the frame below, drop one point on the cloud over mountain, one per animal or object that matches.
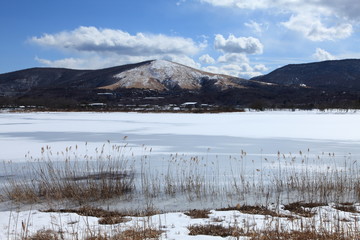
(91, 48)
(348, 9)
(322, 55)
(317, 20)
(232, 44)
(256, 27)
(233, 58)
(312, 28)
(106, 47)
(207, 59)
(92, 39)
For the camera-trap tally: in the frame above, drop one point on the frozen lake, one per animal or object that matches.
(257, 133)
(226, 152)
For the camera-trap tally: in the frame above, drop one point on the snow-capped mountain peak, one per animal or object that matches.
(166, 75)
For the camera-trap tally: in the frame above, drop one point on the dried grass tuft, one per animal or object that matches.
(131, 234)
(195, 213)
(105, 217)
(259, 210)
(72, 179)
(215, 230)
(296, 235)
(346, 208)
(301, 208)
(44, 235)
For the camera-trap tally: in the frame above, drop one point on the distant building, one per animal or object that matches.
(97, 104)
(190, 105)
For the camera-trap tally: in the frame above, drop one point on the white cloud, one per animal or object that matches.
(178, 3)
(65, 63)
(95, 61)
(233, 58)
(234, 61)
(260, 68)
(348, 55)
(312, 28)
(90, 61)
(182, 59)
(256, 27)
(232, 44)
(346, 8)
(92, 39)
(318, 20)
(244, 67)
(322, 55)
(98, 48)
(247, 4)
(243, 70)
(207, 59)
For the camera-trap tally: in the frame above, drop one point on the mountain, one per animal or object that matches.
(161, 83)
(329, 75)
(44, 79)
(164, 75)
(156, 75)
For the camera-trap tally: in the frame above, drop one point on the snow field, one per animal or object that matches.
(175, 225)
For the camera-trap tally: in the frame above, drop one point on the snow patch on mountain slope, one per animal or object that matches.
(161, 75)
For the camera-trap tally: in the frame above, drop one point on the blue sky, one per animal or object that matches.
(244, 38)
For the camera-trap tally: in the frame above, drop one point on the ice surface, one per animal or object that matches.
(222, 134)
(260, 134)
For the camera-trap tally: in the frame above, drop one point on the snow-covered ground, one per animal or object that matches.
(175, 225)
(324, 140)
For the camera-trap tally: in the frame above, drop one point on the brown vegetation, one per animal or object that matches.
(296, 235)
(260, 210)
(215, 230)
(301, 208)
(219, 230)
(131, 234)
(75, 180)
(44, 235)
(197, 213)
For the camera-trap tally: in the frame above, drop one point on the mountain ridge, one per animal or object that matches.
(157, 82)
(153, 75)
(165, 75)
(339, 74)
